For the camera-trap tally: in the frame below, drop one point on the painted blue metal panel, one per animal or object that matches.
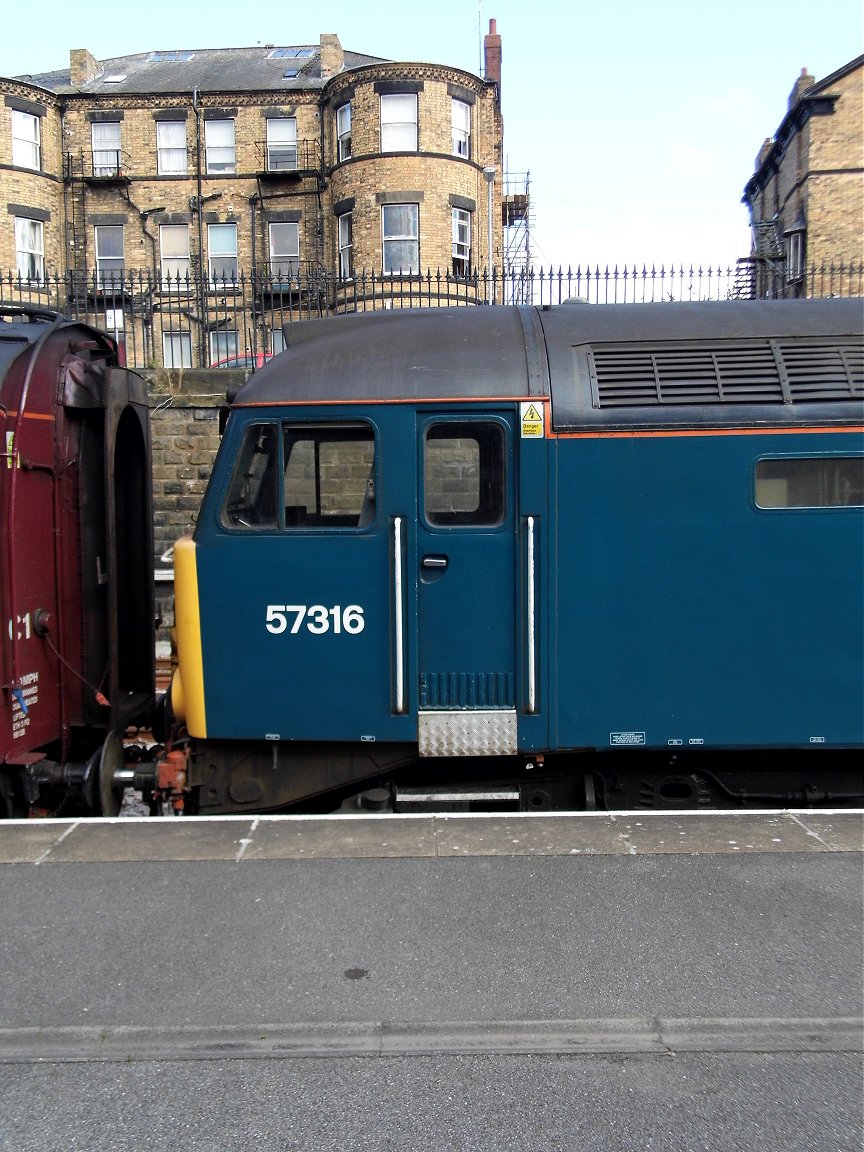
(686, 616)
(317, 676)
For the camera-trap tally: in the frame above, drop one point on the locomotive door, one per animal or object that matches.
(465, 557)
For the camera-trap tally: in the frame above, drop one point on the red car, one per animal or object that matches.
(251, 361)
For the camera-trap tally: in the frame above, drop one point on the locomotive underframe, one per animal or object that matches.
(229, 777)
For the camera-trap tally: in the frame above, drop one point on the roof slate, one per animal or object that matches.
(208, 70)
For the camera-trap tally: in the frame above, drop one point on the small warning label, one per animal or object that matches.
(531, 416)
(626, 739)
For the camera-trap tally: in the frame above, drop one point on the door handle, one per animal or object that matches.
(434, 562)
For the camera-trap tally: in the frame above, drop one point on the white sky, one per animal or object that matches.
(638, 122)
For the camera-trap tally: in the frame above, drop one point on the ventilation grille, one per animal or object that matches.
(755, 372)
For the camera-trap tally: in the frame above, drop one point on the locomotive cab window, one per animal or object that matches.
(810, 482)
(320, 476)
(252, 496)
(464, 479)
(329, 476)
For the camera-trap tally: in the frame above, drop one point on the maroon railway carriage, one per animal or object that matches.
(76, 598)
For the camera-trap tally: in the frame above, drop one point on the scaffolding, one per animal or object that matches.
(518, 226)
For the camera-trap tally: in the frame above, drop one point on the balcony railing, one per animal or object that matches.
(285, 160)
(149, 313)
(105, 164)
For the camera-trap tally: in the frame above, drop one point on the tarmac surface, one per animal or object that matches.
(628, 981)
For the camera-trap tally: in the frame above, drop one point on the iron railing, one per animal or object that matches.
(192, 320)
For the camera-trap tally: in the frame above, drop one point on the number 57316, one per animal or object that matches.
(314, 618)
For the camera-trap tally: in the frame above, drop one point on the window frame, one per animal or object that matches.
(212, 146)
(291, 259)
(238, 511)
(392, 125)
(110, 270)
(288, 147)
(172, 277)
(761, 490)
(393, 238)
(26, 148)
(103, 151)
(460, 136)
(183, 339)
(164, 149)
(25, 253)
(461, 218)
(226, 255)
(795, 255)
(223, 344)
(345, 245)
(343, 132)
(491, 511)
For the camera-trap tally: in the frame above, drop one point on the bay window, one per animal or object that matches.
(401, 238)
(399, 122)
(26, 140)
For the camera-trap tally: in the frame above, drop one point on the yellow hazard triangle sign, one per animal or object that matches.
(531, 419)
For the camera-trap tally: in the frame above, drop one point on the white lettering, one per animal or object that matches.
(317, 618)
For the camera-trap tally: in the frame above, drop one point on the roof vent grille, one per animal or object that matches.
(751, 372)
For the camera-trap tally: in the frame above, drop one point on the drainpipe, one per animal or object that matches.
(322, 182)
(253, 199)
(489, 175)
(202, 295)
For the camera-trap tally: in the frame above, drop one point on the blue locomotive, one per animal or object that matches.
(580, 553)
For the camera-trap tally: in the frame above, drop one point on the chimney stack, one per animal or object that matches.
(804, 81)
(492, 54)
(83, 68)
(332, 56)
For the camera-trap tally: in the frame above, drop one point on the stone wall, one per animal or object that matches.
(184, 427)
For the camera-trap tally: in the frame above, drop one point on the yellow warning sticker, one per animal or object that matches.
(531, 419)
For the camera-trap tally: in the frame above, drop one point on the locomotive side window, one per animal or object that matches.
(810, 482)
(464, 474)
(252, 495)
(329, 476)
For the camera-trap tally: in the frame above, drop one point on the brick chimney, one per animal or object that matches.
(767, 145)
(492, 54)
(83, 68)
(804, 81)
(332, 56)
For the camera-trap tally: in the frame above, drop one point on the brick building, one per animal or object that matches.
(806, 196)
(196, 200)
